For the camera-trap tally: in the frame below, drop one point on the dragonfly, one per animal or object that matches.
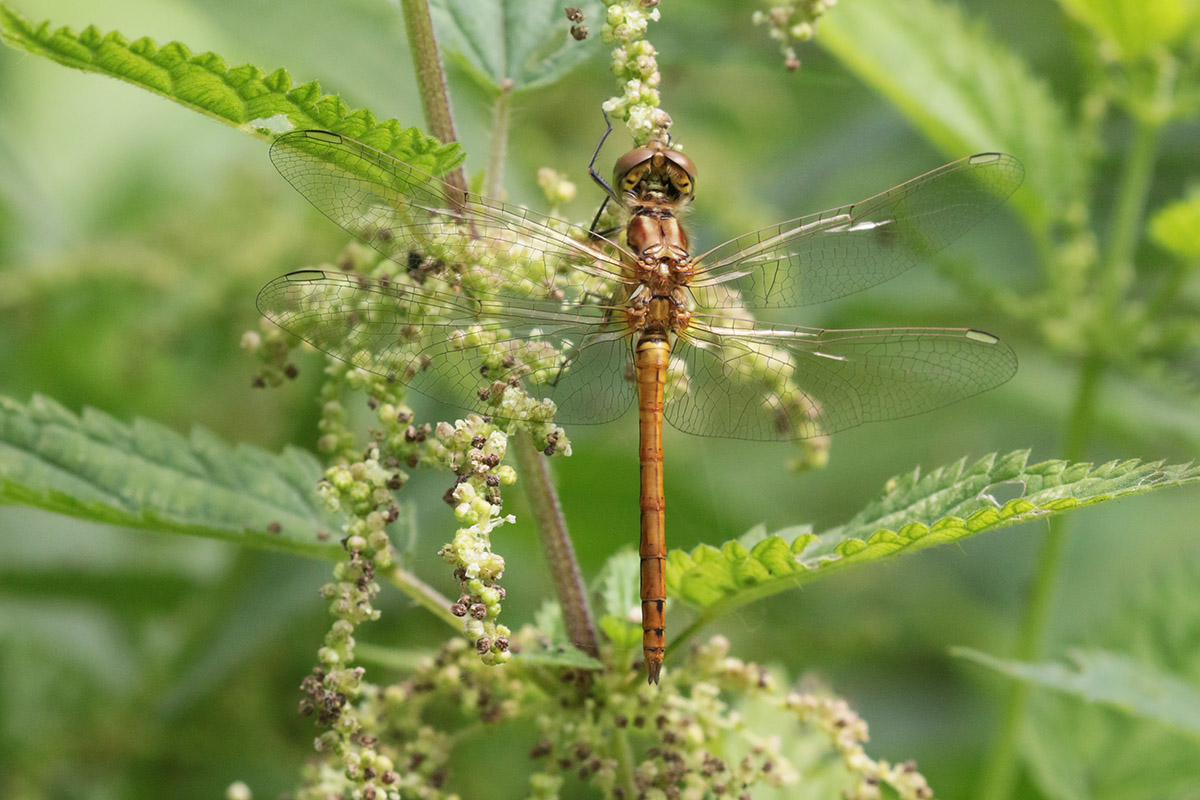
(496, 309)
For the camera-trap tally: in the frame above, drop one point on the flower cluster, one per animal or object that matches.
(556, 187)
(847, 732)
(363, 489)
(473, 448)
(635, 64)
(792, 21)
(271, 348)
(405, 755)
(689, 739)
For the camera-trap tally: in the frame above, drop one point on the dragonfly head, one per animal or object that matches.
(656, 170)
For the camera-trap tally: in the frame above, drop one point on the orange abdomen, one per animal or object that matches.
(650, 358)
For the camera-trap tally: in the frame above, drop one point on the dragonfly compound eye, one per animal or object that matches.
(655, 167)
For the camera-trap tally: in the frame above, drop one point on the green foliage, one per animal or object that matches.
(913, 512)
(953, 92)
(1176, 227)
(1117, 718)
(1103, 299)
(620, 598)
(562, 656)
(146, 476)
(1111, 679)
(971, 91)
(245, 97)
(1137, 28)
(515, 45)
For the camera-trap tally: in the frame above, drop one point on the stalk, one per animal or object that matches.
(424, 595)
(499, 150)
(1115, 277)
(1117, 271)
(626, 764)
(431, 78)
(435, 101)
(556, 541)
(1000, 768)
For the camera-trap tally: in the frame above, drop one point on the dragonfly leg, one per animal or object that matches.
(604, 234)
(596, 176)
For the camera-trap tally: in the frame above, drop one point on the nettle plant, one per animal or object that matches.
(717, 726)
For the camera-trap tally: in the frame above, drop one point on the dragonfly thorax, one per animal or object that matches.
(663, 266)
(653, 236)
(658, 315)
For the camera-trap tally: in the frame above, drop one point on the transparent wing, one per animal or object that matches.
(409, 216)
(774, 382)
(462, 350)
(844, 250)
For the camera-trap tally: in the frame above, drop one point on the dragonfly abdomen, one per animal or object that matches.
(650, 358)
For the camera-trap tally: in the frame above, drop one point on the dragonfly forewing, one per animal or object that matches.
(405, 213)
(845, 250)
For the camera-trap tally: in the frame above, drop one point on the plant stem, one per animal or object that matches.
(431, 78)
(572, 595)
(499, 151)
(1083, 412)
(625, 762)
(1000, 769)
(547, 512)
(424, 595)
(1117, 271)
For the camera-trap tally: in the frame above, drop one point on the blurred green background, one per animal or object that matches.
(134, 237)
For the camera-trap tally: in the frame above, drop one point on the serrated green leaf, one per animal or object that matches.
(1176, 227)
(1136, 28)
(774, 554)
(618, 584)
(1081, 750)
(522, 43)
(624, 634)
(707, 582)
(961, 492)
(947, 505)
(620, 593)
(558, 656)
(1112, 679)
(964, 90)
(734, 550)
(142, 475)
(679, 564)
(245, 97)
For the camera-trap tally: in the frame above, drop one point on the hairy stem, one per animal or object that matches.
(499, 150)
(431, 78)
(552, 526)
